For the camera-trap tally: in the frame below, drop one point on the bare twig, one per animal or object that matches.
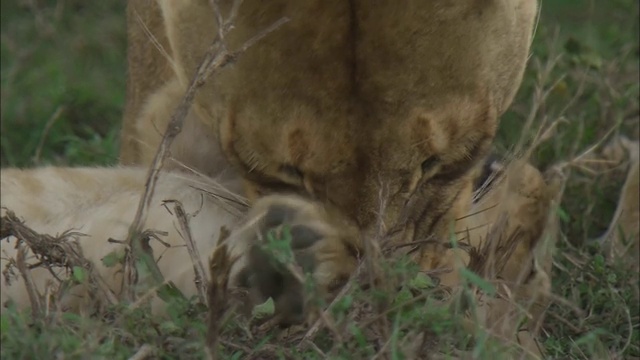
(219, 267)
(52, 119)
(201, 278)
(32, 292)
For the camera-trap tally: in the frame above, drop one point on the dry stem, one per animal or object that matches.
(32, 291)
(201, 279)
(219, 267)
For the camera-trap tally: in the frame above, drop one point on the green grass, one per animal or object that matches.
(62, 91)
(63, 81)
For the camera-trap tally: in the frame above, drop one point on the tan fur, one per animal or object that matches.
(101, 203)
(622, 239)
(145, 40)
(344, 102)
(515, 212)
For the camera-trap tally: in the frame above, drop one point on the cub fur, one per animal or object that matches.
(101, 203)
(380, 111)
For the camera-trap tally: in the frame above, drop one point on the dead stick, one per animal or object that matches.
(217, 296)
(58, 251)
(32, 291)
(201, 278)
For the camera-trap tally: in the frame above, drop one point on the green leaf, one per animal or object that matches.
(265, 309)
(4, 324)
(342, 305)
(79, 274)
(421, 281)
(599, 262)
(358, 335)
(403, 296)
(562, 214)
(113, 258)
(169, 291)
(591, 337)
(591, 60)
(169, 327)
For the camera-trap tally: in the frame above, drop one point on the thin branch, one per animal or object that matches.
(34, 297)
(52, 119)
(217, 293)
(201, 279)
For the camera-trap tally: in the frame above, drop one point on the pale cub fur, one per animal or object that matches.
(101, 203)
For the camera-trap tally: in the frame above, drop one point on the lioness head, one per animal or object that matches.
(379, 109)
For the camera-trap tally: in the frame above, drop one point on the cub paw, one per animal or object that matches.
(292, 242)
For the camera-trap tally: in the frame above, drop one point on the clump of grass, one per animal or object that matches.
(63, 80)
(595, 314)
(119, 332)
(600, 315)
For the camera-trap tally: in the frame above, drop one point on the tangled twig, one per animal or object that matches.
(62, 251)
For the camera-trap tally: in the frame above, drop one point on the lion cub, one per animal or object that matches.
(101, 203)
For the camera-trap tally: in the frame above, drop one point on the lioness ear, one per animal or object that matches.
(429, 134)
(446, 124)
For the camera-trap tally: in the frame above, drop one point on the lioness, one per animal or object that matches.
(378, 111)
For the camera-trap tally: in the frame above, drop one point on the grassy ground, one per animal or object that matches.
(62, 91)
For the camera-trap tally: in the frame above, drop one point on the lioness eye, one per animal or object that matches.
(429, 163)
(292, 171)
